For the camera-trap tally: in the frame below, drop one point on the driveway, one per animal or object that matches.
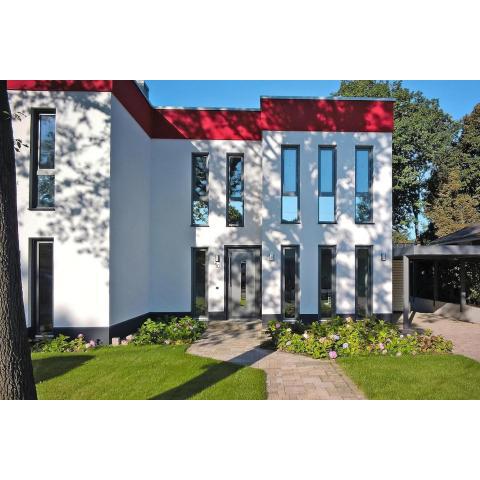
(289, 376)
(464, 335)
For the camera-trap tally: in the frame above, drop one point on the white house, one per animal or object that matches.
(127, 210)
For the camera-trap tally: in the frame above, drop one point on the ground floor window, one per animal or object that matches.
(290, 278)
(41, 285)
(199, 282)
(363, 281)
(326, 281)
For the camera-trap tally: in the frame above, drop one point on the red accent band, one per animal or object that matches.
(278, 114)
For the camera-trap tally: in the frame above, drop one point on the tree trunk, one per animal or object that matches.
(16, 373)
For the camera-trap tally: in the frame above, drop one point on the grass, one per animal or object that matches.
(421, 377)
(150, 372)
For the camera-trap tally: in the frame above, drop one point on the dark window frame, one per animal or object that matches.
(369, 194)
(370, 279)
(229, 156)
(333, 248)
(297, 282)
(33, 285)
(193, 278)
(35, 172)
(334, 183)
(193, 196)
(297, 184)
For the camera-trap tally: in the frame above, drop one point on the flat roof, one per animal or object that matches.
(362, 99)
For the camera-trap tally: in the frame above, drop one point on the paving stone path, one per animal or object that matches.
(464, 335)
(289, 376)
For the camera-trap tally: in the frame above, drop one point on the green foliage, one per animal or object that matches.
(62, 343)
(173, 331)
(346, 338)
(422, 138)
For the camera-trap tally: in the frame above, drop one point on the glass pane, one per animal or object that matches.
(243, 284)
(289, 170)
(326, 209)
(200, 288)
(46, 140)
(326, 171)
(46, 191)
(289, 283)
(290, 209)
(327, 270)
(235, 178)
(45, 287)
(362, 171)
(326, 304)
(362, 278)
(200, 212)
(363, 209)
(235, 213)
(200, 183)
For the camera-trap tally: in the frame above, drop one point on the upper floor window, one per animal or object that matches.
(235, 203)
(326, 184)
(363, 185)
(290, 184)
(42, 177)
(200, 189)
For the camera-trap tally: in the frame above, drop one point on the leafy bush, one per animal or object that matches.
(62, 343)
(345, 338)
(172, 331)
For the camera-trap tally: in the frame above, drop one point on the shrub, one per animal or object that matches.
(345, 338)
(62, 343)
(172, 331)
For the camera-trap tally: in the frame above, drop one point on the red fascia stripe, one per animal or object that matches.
(61, 85)
(326, 115)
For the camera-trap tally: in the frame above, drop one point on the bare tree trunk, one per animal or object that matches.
(16, 374)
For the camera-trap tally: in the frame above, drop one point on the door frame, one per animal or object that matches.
(226, 249)
(33, 281)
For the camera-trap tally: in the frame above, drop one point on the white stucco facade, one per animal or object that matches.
(122, 221)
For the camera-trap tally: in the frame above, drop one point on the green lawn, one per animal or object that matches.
(422, 377)
(153, 372)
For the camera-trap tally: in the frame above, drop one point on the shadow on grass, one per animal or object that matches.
(213, 375)
(51, 367)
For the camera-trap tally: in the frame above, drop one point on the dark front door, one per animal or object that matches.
(243, 283)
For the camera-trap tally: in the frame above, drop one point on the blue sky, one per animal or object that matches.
(457, 97)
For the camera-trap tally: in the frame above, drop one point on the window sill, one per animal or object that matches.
(364, 223)
(31, 209)
(328, 223)
(291, 223)
(198, 226)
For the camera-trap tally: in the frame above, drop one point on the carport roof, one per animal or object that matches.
(431, 251)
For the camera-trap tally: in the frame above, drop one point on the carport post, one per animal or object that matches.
(463, 294)
(406, 293)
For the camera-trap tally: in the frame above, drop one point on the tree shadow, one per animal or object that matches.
(47, 368)
(212, 375)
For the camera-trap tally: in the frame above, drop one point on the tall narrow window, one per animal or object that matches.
(200, 189)
(326, 184)
(42, 191)
(290, 282)
(363, 185)
(235, 191)
(363, 281)
(41, 282)
(326, 281)
(199, 282)
(290, 184)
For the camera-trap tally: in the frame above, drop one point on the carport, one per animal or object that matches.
(425, 268)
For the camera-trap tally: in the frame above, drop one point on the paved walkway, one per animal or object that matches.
(289, 376)
(464, 335)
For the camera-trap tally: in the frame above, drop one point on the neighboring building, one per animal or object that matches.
(126, 210)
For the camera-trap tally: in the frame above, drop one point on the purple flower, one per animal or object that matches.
(336, 337)
(345, 345)
(332, 354)
(277, 325)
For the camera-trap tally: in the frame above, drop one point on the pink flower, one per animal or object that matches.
(123, 342)
(129, 338)
(92, 343)
(277, 325)
(332, 354)
(80, 335)
(381, 346)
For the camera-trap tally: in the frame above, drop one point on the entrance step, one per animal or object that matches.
(254, 326)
